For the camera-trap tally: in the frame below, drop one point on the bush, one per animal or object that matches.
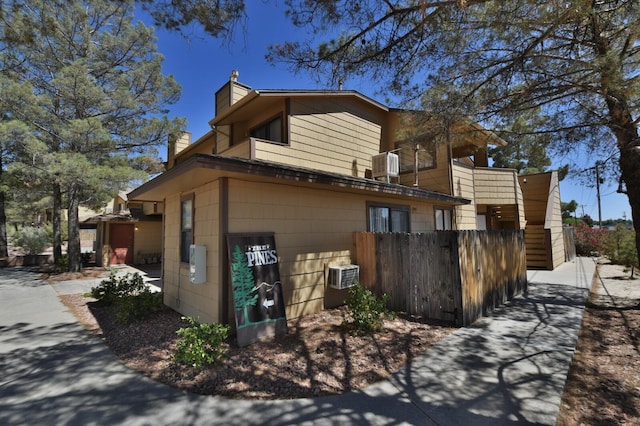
(129, 293)
(366, 310)
(113, 288)
(138, 307)
(62, 263)
(33, 239)
(200, 343)
(620, 247)
(589, 241)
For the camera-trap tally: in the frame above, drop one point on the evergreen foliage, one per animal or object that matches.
(243, 283)
(84, 86)
(571, 64)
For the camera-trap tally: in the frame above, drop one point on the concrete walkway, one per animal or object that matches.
(506, 369)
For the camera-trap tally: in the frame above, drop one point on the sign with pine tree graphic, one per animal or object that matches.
(257, 291)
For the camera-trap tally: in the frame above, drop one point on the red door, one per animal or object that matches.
(121, 244)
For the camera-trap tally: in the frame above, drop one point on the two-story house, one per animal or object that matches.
(306, 166)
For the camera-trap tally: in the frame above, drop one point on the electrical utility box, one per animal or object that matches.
(197, 264)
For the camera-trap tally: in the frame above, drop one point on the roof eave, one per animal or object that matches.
(241, 166)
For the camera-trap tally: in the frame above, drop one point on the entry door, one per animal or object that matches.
(121, 244)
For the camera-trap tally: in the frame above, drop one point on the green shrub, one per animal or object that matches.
(132, 297)
(112, 289)
(138, 307)
(620, 247)
(33, 239)
(200, 343)
(62, 263)
(366, 311)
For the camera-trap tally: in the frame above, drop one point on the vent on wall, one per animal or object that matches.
(385, 165)
(344, 276)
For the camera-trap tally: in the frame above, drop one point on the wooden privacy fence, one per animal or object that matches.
(450, 276)
(569, 243)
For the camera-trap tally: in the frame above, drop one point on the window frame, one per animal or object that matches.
(405, 209)
(266, 125)
(444, 216)
(184, 244)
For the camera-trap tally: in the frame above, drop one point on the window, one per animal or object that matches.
(407, 156)
(388, 218)
(443, 220)
(186, 227)
(271, 130)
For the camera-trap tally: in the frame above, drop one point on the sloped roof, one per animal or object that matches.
(127, 215)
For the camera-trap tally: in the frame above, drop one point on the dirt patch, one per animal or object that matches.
(603, 386)
(318, 356)
(50, 274)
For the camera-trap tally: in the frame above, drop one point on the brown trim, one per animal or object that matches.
(267, 169)
(286, 119)
(283, 135)
(258, 95)
(188, 197)
(390, 206)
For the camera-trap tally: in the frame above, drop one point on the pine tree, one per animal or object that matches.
(243, 283)
(576, 61)
(99, 98)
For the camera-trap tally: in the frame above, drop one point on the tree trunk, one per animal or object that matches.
(57, 224)
(73, 245)
(630, 168)
(4, 245)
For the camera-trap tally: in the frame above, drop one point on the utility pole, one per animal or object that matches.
(598, 194)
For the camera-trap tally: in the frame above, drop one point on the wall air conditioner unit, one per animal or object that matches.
(344, 276)
(385, 165)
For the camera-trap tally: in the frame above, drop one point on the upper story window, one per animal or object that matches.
(384, 218)
(271, 130)
(186, 226)
(407, 151)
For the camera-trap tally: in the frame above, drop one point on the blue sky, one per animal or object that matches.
(203, 64)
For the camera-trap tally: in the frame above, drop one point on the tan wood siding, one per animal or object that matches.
(494, 186)
(242, 150)
(464, 186)
(223, 141)
(436, 179)
(223, 99)
(312, 228)
(553, 221)
(326, 135)
(199, 300)
(147, 240)
(238, 92)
